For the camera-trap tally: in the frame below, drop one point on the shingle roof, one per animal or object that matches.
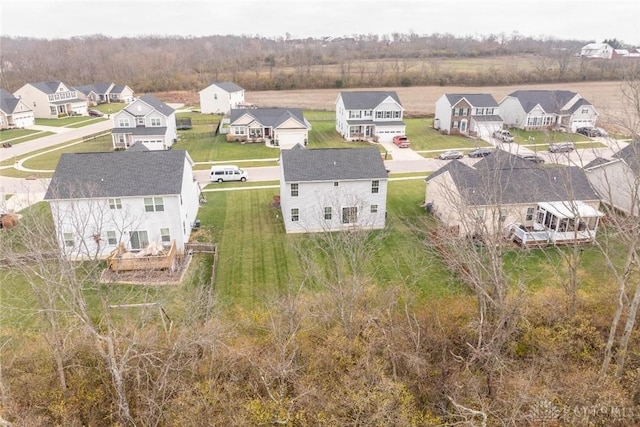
(631, 155)
(47, 87)
(503, 180)
(156, 104)
(551, 101)
(271, 117)
(227, 86)
(366, 100)
(118, 88)
(8, 102)
(99, 88)
(117, 174)
(332, 164)
(475, 99)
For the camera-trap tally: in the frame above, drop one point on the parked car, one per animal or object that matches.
(588, 131)
(561, 147)
(96, 113)
(450, 155)
(533, 158)
(602, 132)
(401, 141)
(480, 152)
(227, 173)
(503, 135)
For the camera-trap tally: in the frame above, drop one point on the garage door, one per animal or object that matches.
(23, 122)
(287, 139)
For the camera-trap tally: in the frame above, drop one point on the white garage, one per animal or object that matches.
(287, 138)
(23, 120)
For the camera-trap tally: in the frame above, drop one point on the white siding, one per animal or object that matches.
(512, 113)
(215, 100)
(313, 197)
(617, 186)
(443, 114)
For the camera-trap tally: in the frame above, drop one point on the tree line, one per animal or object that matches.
(157, 63)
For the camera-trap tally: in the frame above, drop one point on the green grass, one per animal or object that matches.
(49, 161)
(215, 185)
(65, 121)
(19, 135)
(31, 137)
(531, 137)
(424, 137)
(89, 121)
(110, 108)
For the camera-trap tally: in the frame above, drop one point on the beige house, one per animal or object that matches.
(50, 100)
(13, 112)
(503, 194)
(617, 181)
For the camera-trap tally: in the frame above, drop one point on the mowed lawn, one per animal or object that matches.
(49, 161)
(425, 138)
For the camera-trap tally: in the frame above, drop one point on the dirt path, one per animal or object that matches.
(421, 100)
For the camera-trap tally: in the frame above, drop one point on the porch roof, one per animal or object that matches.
(570, 209)
(68, 101)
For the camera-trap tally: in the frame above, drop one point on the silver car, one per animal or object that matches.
(451, 155)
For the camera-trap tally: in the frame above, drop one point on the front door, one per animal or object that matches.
(463, 126)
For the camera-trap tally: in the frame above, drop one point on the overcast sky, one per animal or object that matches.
(567, 19)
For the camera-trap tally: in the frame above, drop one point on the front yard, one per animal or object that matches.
(72, 121)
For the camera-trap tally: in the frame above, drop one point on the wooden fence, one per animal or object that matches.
(203, 248)
(118, 262)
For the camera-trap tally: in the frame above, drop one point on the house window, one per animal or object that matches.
(111, 238)
(295, 214)
(456, 111)
(336, 183)
(479, 213)
(138, 240)
(53, 109)
(455, 124)
(153, 204)
(294, 190)
(140, 121)
(375, 186)
(215, 96)
(349, 215)
(156, 122)
(68, 239)
(503, 214)
(327, 213)
(529, 216)
(165, 237)
(585, 111)
(374, 208)
(123, 122)
(480, 111)
(115, 203)
(239, 130)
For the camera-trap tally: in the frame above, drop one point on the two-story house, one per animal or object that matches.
(364, 115)
(547, 109)
(100, 93)
(13, 112)
(276, 127)
(332, 189)
(50, 100)
(146, 120)
(221, 97)
(133, 198)
(474, 114)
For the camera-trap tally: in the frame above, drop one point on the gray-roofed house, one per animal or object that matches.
(146, 120)
(332, 189)
(101, 93)
(547, 109)
(13, 112)
(276, 127)
(504, 195)
(369, 115)
(220, 98)
(470, 114)
(50, 100)
(134, 198)
(617, 180)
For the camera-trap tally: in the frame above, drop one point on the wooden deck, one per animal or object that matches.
(121, 260)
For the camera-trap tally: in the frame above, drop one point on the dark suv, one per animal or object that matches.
(532, 158)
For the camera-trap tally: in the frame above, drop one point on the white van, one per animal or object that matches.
(227, 173)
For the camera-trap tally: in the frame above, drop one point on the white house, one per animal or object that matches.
(99, 200)
(276, 127)
(597, 50)
(146, 120)
(13, 112)
(474, 114)
(50, 100)
(617, 180)
(332, 189)
(220, 98)
(368, 114)
(547, 109)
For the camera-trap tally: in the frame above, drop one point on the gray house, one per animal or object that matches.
(276, 127)
(365, 115)
(146, 120)
(504, 194)
(332, 189)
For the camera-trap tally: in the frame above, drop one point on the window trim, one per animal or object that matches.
(156, 205)
(112, 238)
(68, 239)
(374, 209)
(295, 189)
(375, 186)
(295, 215)
(328, 213)
(115, 203)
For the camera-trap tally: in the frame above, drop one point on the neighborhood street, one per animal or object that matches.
(405, 160)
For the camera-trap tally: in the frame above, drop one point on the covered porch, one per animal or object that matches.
(557, 223)
(361, 131)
